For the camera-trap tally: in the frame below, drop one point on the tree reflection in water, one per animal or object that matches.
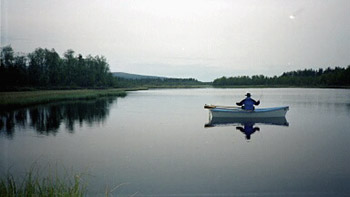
(47, 119)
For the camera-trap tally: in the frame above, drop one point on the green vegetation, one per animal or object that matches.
(52, 78)
(33, 185)
(160, 83)
(20, 99)
(337, 77)
(134, 76)
(45, 69)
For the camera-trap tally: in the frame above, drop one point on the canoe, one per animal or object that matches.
(237, 112)
(227, 121)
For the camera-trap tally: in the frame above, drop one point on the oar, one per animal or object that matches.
(228, 107)
(220, 106)
(261, 94)
(209, 106)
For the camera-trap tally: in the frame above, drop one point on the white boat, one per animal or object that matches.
(237, 112)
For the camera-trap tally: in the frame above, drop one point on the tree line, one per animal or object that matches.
(308, 77)
(158, 82)
(44, 68)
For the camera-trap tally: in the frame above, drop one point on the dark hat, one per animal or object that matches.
(248, 95)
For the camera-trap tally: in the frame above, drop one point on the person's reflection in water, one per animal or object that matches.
(248, 129)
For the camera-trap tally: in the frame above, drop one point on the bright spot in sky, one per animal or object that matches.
(292, 17)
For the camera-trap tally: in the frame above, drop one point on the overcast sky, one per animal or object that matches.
(203, 39)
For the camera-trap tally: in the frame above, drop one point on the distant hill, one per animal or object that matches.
(134, 76)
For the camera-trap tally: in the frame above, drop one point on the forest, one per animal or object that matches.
(158, 82)
(46, 69)
(330, 77)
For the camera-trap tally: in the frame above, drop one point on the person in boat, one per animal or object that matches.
(248, 103)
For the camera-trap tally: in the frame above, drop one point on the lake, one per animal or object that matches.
(156, 143)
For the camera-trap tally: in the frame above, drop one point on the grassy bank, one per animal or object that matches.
(21, 99)
(68, 183)
(32, 185)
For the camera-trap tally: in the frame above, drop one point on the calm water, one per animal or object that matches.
(155, 142)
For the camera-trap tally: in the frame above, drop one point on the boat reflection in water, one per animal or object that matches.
(246, 125)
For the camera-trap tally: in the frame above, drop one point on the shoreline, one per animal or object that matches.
(283, 86)
(12, 100)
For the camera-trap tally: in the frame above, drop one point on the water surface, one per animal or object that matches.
(155, 142)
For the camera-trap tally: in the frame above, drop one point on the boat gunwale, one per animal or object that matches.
(259, 110)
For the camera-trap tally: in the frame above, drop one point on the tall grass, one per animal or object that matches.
(33, 185)
(53, 181)
(21, 99)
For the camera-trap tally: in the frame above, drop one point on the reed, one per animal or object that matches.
(21, 99)
(52, 181)
(33, 185)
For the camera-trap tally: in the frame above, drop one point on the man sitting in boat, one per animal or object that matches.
(248, 103)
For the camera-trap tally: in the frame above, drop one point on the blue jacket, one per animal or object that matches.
(248, 103)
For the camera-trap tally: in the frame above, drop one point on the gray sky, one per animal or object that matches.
(204, 39)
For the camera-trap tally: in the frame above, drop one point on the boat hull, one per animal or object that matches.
(257, 113)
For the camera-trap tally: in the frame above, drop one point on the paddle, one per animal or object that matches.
(220, 106)
(209, 106)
